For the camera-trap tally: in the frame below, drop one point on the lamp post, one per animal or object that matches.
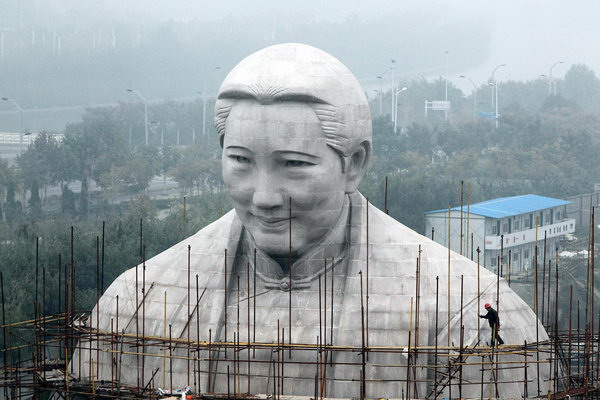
(495, 92)
(494, 80)
(145, 111)
(203, 111)
(393, 68)
(551, 79)
(395, 113)
(446, 85)
(474, 96)
(380, 77)
(14, 103)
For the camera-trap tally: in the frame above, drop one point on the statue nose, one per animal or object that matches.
(266, 194)
(267, 199)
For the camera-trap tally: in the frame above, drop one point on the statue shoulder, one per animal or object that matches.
(385, 228)
(208, 241)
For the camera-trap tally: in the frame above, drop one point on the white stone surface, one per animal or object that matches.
(262, 180)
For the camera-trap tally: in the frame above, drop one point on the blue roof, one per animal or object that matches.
(508, 206)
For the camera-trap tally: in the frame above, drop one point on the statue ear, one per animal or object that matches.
(356, 164)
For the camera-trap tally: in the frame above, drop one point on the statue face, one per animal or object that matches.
(272, 153)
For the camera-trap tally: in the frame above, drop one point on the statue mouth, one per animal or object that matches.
(272, 222)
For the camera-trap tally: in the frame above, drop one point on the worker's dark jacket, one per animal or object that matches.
(492, 317)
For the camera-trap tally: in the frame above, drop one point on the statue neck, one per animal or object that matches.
(304, 267)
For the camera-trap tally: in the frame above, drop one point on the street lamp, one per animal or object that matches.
(393, 68)
(550, 91)
(494, 79)
(495, 91)
(474, 96)
(395, 113)
(145, 111)
(446, 85)
(380, 77)
(203, 111)
(14, 103)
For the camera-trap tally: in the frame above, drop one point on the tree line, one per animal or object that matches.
(102, 150)
(549, 150)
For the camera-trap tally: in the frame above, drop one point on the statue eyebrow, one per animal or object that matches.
(280, 152)
(234, 147)
(269, 95)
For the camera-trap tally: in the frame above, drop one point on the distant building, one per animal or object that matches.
(581, 205)
(504, 225)
(25, 138)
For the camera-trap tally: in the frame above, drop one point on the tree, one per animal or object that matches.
(195, 171)
(134, 174)
(36, 164)
(582, 86)
(94, 146)
(5, 179)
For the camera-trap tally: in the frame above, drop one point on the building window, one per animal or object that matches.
(517, 225)
(494, 261)
(515, 256)
(525, 253)
(494, 230)
(528, 221)
(558, 215)
(505, 227)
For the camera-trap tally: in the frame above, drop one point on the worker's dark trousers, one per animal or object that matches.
(496, 336)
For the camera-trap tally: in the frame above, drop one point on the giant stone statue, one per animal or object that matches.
(298, 247)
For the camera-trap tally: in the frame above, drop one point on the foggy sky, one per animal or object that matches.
(528, 36)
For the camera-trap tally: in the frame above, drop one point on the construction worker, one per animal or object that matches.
(494, 321)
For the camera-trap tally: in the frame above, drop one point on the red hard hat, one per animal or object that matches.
(487, 305)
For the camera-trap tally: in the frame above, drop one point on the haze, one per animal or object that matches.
(172, 50)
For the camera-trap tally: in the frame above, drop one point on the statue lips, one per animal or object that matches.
(272, 223)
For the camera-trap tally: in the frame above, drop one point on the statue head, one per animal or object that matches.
(295, 128)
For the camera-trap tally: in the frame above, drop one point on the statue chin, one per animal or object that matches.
(277, 245)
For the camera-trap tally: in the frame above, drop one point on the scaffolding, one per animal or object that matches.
(38, 358)
(39, 355)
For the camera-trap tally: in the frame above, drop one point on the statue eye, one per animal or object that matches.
(240, 159)
(296, 163)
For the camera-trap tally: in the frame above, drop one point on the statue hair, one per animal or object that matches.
(326, 113)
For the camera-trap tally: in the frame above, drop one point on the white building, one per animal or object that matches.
(506, 225)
